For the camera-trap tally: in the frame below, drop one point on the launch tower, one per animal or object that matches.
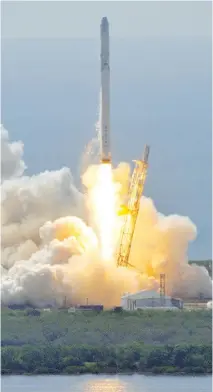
(135, 193)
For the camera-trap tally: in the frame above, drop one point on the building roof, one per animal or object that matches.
(143, 294)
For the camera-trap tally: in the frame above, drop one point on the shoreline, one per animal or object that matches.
(174, 372)
(111, 374)
(149, 343)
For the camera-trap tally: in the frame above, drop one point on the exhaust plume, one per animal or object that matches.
(51, 240)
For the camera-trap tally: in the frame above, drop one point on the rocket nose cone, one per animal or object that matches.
(104, 24)
(104, 20)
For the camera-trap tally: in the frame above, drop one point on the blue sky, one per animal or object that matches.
(160, 92)
(79, 19)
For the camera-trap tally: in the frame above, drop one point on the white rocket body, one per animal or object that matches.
(105, 94)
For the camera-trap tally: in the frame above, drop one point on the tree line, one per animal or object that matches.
(131, 358)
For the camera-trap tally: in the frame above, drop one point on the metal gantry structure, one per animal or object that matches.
(132, 209)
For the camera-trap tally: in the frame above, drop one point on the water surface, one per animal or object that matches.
(102, 383)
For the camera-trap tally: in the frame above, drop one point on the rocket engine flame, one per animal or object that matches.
(103, 204)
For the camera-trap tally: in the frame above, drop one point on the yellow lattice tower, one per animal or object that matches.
(135, 193)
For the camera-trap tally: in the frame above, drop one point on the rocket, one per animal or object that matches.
(105, 153)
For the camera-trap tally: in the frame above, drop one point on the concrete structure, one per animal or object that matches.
(149, 299)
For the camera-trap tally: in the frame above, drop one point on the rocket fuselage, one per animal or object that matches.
(105, 94)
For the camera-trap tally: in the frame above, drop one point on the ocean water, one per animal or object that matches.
(105, 383)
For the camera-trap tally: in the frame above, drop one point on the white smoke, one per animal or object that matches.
(161, 245)
(49, 252)
(12, 164)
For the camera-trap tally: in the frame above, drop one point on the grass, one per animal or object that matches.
(148, 326)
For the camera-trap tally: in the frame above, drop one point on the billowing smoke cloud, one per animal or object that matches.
(12, 164)
(50, 248)
(28, 202)
(161, 245)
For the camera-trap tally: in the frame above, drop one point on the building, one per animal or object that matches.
(209, 305)
(149, 299)
(96, 308)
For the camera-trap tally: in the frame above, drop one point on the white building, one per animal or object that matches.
(149, 299)
(209, 305)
